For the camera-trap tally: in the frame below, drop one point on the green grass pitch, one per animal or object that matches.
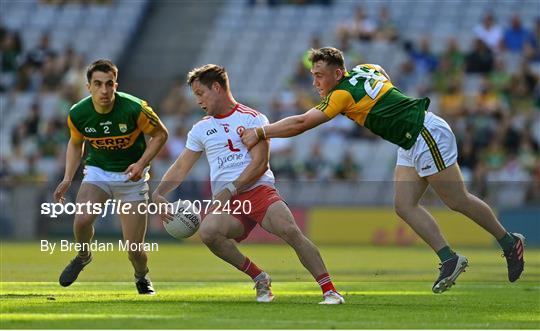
(384, 288)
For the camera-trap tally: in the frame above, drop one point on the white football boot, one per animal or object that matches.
(332, 298)
(264, 294)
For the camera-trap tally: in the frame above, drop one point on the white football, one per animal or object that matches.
(185, 221)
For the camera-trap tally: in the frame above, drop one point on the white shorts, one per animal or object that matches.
(115, 185)
(435, 148)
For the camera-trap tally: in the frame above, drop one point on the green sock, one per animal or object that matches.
(141, 275)
(507, 242)
(446, 253)
(84, 255)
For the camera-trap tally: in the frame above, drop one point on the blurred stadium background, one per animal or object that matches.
(478, 61)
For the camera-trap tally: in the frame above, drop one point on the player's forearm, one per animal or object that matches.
(174, 176)
(166, 186)
(250, 175)
(154, 146)
(73, 159)
(288, 127)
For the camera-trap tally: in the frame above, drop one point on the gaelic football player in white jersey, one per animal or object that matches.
(238, 178)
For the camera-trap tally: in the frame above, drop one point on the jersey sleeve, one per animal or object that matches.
(194, 142)
(147, 120)
(74, 132)
(335, 103)
(258, 121)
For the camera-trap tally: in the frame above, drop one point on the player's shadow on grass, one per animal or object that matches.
(25, 296)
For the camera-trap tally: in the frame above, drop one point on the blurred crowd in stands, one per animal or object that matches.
(489, 92)
(48, 82)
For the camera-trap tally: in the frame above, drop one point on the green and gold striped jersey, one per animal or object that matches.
(116, 139)
(370, 99)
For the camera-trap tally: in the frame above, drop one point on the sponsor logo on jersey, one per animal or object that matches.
(122, 127)
(211, 131)
(105, 123)
(230, 160)
(235, 159)
(113, 143)
(89, 130)
(426, 167)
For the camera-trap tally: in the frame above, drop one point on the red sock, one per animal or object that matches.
(325, 283)
(250, 268)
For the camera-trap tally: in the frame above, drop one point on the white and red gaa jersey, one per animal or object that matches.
(219, 137)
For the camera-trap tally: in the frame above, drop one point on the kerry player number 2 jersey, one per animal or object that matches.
(116, 139)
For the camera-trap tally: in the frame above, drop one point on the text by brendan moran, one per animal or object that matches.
(96, 246)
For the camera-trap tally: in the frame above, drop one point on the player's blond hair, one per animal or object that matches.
(328, 55)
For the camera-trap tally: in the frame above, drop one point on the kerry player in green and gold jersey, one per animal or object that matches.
(114, 125)
(427, 153)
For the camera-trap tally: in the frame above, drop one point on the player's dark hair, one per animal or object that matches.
(329, 55)
(208, 74)
(103, 66)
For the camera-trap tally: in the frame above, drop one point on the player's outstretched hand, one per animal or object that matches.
(249, 138)
(134, 172)
(61, 189)
(161, 202)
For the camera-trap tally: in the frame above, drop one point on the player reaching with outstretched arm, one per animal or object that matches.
(238, 176)
(114, 124)
(427, 153)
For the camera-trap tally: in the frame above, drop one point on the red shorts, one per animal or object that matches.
(260, 198)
